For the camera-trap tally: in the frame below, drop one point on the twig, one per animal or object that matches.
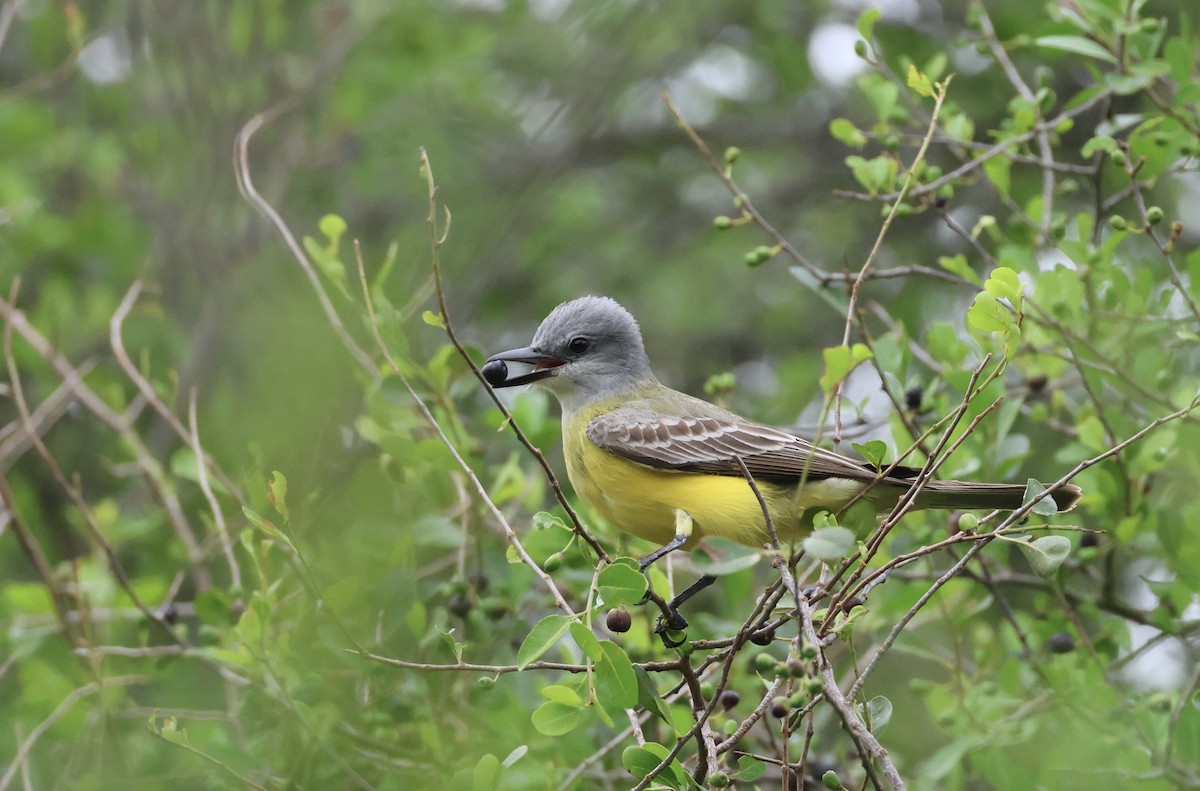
(241, 166)
(235, 571)
(64, 706)
(480, 489)
(436, 242)
(71, 491)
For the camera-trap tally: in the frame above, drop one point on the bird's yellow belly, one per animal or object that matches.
(642, 500)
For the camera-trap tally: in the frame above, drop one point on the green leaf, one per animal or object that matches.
(829, 543)
(1045, 506)
(648, 696)
(840, 361)
(516, 755)
(918, 81)
(269, 528)
(867, 20)
(333, 227)
(989, 315)
(561, 693)
(1004, 283)
(876, 174)
(750, 768)
(844, 130)
(879, 713)
(959, 266)
(588, 642)
(616, 683)
(1078, 45)
(1098, 143)
(487, 773)
(433, 319)
(277, 493)
(542, 638)
(555, 719)
(1046, 554)
(641, 761)
(622, 582)
(873, 451)
(998, 171)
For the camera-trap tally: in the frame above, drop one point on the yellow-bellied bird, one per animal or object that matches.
(664, 465)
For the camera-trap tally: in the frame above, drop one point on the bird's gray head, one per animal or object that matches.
(585, 349)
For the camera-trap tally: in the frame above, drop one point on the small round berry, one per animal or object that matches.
(913, 397)
(459, 605)
(618, 620)
(1061, 643)
(553, 563)
(495, 372)
(729, 699)
(779, 708)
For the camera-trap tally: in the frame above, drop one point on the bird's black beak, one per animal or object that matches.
(495, 370)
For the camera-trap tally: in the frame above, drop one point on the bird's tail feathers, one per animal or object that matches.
(987, 496)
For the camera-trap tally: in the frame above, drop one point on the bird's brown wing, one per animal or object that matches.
(712, 444)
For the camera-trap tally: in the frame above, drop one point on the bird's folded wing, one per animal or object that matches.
(713, 444)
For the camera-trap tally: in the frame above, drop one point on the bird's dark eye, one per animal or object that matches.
(579, 345)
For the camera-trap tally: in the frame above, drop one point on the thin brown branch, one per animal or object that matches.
(436, 241)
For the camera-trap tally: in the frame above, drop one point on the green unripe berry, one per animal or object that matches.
(814, 686)
(722, 223)
(860, 49)
(809, 651)
(968, 522)
(732, 153)
(1117, 223)
(765, 663)
(707, 689)
(933, 173)
(763, 252)
(1154, 215)
(553, 563)
(1149, 25)
(797, 701)
(831, 781)
(718, 780)
(485, 683)
(751, 259)
(729, 727)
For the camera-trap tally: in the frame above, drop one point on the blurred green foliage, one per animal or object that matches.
(171, 623)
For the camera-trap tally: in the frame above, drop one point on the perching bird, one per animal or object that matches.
(664, 466)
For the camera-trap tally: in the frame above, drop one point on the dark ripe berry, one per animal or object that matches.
(1089, 540)
(460, 605)
(494, 607)
(852, 602)
(495, 372)
(619, 620)
(1061, 643)
(763, 637)
(236, 608)
(779, 708)
(809, 592)
(1037, 384)
(479, 581)
(795, 668)
(729, 699)
(913, 397)
(171, 614)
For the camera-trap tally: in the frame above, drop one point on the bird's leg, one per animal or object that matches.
(671, 620)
